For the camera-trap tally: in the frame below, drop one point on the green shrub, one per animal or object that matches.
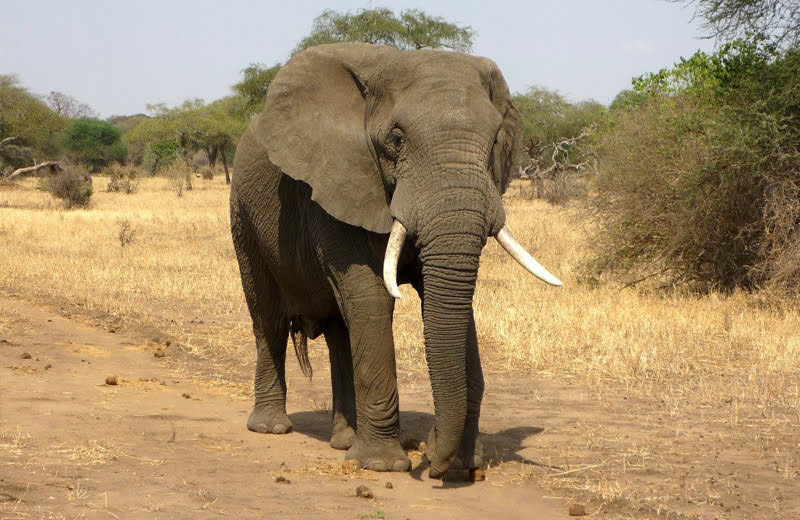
(700, 184)
(161, 154)
(72, 186)
(94, 142)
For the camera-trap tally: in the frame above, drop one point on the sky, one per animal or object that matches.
(118, 56)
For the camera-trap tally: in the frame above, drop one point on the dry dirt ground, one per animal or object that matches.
(162, 444)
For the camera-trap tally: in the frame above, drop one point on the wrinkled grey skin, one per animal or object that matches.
(353, 136)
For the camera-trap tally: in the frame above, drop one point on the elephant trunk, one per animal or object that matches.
(446, 313)
(449, 250)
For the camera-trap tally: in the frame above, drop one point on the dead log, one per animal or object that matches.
(53, 165)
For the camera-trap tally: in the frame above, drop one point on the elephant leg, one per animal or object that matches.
(271, 330)
(367, 309)
(269, 411)
(344, 394)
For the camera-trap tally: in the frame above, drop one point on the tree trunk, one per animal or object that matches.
(225, 166)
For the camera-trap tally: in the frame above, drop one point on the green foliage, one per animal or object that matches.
(194, 125)
(160, 154)
(413, 30)
(70, 185)
(627, 99)
(29, 119)
(700, 183)
(548, 116)
(94, 142)
(253, 87)
(16, 156)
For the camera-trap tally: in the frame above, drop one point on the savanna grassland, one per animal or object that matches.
(636, 403)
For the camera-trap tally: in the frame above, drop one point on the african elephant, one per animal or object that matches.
(359, 146)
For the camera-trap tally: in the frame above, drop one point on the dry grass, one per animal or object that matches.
(725, 365)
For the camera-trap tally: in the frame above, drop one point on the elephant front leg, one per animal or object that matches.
(367, 309)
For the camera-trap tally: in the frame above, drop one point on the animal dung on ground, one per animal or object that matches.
(25, 355)
(364, 492)
(159, 353)
(111, 380)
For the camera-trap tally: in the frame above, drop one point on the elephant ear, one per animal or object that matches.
(505, 153)
(312, 127)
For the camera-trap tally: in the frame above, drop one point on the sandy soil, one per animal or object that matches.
(163, 444)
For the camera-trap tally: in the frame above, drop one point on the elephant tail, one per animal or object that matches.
(300, 341)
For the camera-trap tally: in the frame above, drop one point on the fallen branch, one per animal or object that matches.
(7, 140)
(53, 165)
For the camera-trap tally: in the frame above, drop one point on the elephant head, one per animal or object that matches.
(418, 144)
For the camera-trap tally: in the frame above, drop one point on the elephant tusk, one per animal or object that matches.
(518, 253)
(393, 248)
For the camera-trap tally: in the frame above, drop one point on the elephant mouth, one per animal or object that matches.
(504, 237)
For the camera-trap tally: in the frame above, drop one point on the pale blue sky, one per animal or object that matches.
(117, 56)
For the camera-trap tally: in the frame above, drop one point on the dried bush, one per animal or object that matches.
(180, 177)
(122, 179)
(699, 185)
(71, 185)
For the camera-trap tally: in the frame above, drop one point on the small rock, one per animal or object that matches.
(111, 380)
(364, 492)
(186, 396)
(25, 355)
(48, 366)
(167, 343)
(159, 353)
(282, 480)
(476, 475)
(389, 485)
(577, 510)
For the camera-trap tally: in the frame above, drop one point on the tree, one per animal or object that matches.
(253, 87)
(730, 19)
(28, 118)
(67, 106)
(193, 125)
(413, 30)
(95, 142)
(549, 118)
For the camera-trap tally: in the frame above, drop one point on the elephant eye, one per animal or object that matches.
(397, 140)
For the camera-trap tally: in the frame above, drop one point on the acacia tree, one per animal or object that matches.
(554, 136)
(253, 87)
(779, 20)
(413, 30)
(67, 106)
(193, 125)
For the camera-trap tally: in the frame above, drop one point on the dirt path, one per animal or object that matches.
(160, 445)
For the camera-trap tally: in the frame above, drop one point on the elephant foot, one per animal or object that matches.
(469, 456)
(386, 455)
(343, 436)
(266, 420)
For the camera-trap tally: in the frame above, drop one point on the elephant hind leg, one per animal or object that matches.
(344, 394)
(270, 328)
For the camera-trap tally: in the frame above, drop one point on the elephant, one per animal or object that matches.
(370, 167)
